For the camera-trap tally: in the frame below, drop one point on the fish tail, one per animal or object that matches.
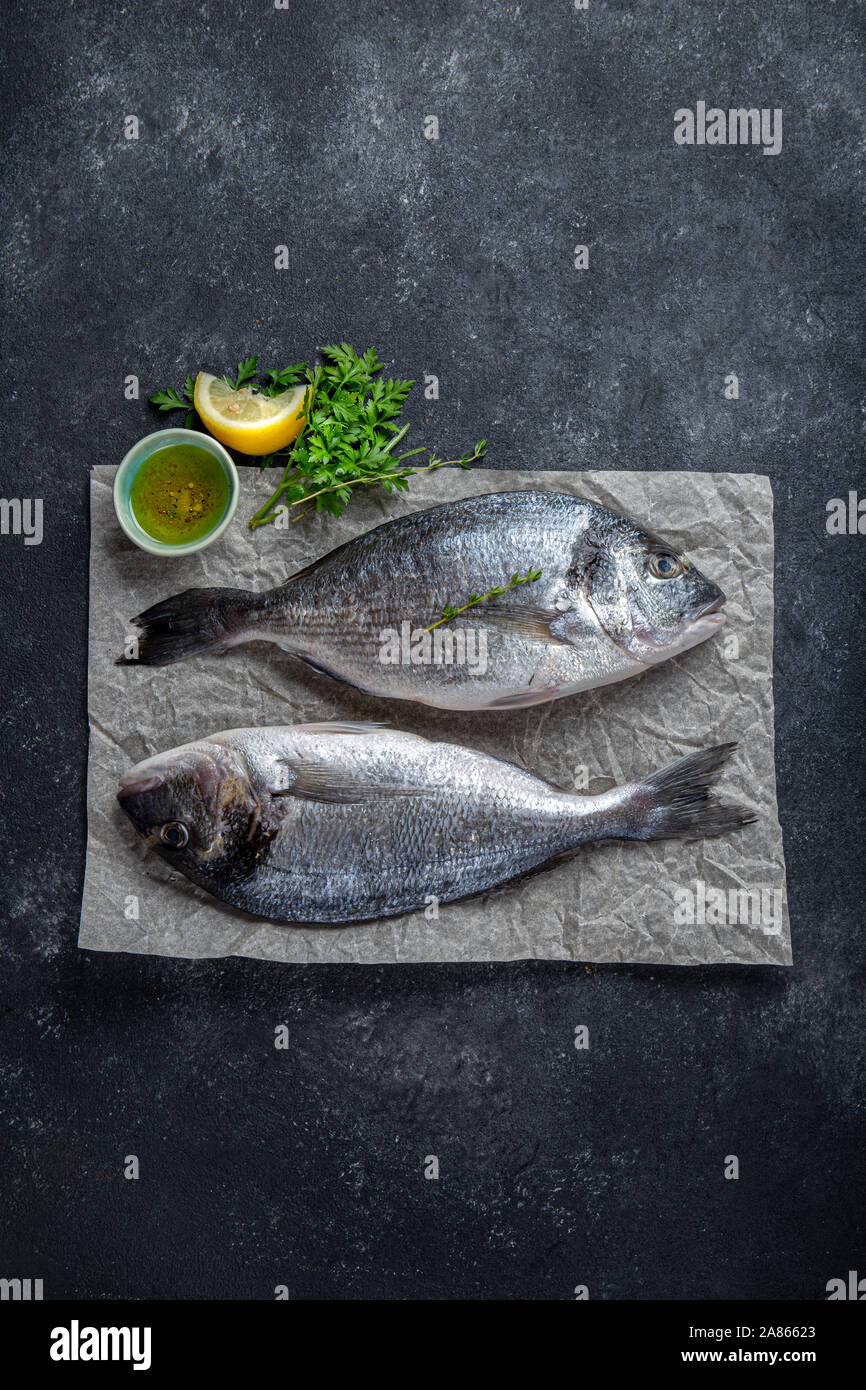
(676, 802)
(198, 620)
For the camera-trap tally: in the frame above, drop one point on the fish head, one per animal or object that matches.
(649, 598)
(197, 808)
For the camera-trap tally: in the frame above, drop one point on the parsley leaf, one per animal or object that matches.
(352, 427)
(168, 400)
(246, 371)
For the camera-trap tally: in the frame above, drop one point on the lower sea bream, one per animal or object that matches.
(338, 823)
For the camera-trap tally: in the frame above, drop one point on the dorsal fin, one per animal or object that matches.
(316, 564)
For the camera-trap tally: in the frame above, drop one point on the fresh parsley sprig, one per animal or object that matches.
(351, 428)
(247, 370)
(170, 400)
(279, 381)
(351, 431)
(449, 612)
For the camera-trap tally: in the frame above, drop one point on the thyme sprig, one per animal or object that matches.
(448, 612)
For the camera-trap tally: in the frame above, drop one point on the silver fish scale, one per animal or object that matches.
(335, 823)
(609, 601)
(406, 570)
(441, 822)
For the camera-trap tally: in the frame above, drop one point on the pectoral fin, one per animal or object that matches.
(311, 781)
(532, 624)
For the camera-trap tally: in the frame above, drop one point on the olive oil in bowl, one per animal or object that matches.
(179, 494)
(175, 492)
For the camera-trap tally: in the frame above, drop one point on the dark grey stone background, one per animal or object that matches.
(456, 257)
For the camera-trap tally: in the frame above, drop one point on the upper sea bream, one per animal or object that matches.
(612, 600)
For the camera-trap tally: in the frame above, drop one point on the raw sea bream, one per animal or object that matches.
(612, 600)
(338, 823)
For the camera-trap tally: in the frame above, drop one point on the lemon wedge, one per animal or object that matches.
(246, 420)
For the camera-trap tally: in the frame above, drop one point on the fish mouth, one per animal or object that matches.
(709, 614)
(135, 798)
(137, 784)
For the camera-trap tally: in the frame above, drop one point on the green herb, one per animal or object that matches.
(352, 425)
(170, 400)
(474, 599)
(246, 371)
(281, 380)
(352, 428)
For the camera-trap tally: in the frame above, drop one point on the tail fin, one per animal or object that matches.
(675, 802)
(198, 620)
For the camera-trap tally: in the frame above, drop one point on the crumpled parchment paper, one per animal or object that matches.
(663, 903)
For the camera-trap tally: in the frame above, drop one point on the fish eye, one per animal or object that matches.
(174, 834)
(665, 566)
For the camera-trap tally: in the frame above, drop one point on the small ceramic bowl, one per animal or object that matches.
(129, 467)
